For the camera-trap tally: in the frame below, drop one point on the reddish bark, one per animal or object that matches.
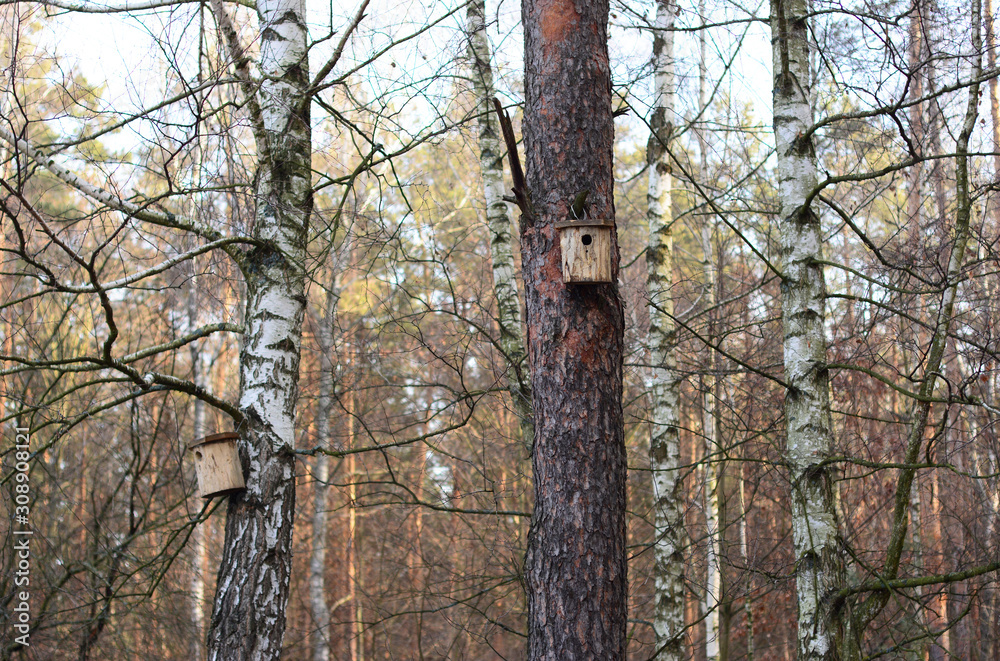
(576, 565)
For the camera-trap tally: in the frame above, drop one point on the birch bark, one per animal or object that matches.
(321, 479)
(818, 565)
(199, 546)
(248, 621)
(665, 381)
(716, 627)
(714, 601)
(745, 552)
(499, 223)
(353, 560)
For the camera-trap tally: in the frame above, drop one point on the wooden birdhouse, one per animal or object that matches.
(217, 464)
(586, 247)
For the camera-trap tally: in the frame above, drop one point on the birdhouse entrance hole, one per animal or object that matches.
(217, 465)
(586, 247)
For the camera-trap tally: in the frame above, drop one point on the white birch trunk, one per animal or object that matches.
(664, 443)
(321, 477)
(248, 621)
(353, 561)
(714, 524)
(745, 552)
(818, 565)
(714, 467)
(713, 575)
(499, 222)
(199, 546)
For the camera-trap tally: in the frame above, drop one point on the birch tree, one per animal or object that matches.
(819, 570)
(199, 546)
(925, 273)
(715, 600)
(276, 92)
(414, 545)
(664, 387)
(498, 221)
(321, 477)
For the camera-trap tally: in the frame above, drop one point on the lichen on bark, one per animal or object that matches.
(664, 380)
(819, 568)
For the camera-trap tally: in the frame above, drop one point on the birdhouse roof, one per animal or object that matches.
(214, 438)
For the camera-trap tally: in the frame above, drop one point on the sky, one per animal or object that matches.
(121, 51)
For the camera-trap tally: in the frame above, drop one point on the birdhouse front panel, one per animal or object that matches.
(586, 250)
(217, 464)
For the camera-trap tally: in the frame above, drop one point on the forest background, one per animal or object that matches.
(130, 145)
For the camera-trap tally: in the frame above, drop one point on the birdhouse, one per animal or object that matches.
(586, 249)
(217, 464)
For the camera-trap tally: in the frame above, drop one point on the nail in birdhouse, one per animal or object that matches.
(217, 464)
(586, 249)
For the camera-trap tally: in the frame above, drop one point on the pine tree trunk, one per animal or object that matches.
(248, 621)
(991, 63)
(992, 597)
(355, 638)
(938, 611)
(818, 565)
(499, 223)
(576, 560)
(665, 382)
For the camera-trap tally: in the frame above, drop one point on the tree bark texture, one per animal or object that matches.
(576, 561)
(248, 621)
(916, 54)
(818, 563)
(199, 546)
(499, 222)
(991, 63)
(665, 382)
(715, 601)
(321, 479)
